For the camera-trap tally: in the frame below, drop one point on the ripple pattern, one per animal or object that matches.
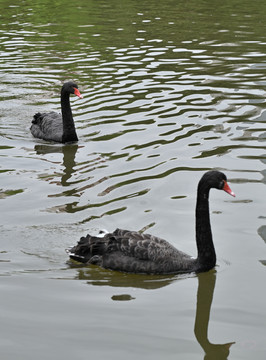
(165, 98)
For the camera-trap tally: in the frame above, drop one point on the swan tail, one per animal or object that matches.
(89, 249)
(37, 118)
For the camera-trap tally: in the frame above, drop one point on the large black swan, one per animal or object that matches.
(56, 127)
(133, 252)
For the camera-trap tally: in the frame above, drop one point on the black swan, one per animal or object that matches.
(56, 127)
(133, 252)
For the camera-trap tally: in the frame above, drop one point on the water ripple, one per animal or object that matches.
(155, 105)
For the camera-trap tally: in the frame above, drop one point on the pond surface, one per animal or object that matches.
(171, 89)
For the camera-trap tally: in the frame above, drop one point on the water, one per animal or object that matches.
(170, 90)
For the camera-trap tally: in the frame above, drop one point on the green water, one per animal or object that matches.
(171, 89)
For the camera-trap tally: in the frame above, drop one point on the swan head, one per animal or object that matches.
(71, 88)
(216, 179)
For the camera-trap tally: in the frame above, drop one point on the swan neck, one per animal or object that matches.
(69, 131)
(206, 252)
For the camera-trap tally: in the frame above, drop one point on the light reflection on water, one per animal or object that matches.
(169, 92)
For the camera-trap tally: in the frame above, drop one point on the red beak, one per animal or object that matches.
(227, 189)
(76, 92)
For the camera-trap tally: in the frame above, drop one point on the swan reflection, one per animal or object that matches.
(69, 154)
(206, 284)
(262, 234)
(95, 275)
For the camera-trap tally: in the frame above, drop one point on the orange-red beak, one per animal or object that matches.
(76, 92)
(227, 189)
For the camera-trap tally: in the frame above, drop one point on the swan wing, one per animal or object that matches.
(130, 251)
(141, 246)
(47, 126)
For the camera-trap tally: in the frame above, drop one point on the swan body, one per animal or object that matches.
(56, 127)
(134, 252)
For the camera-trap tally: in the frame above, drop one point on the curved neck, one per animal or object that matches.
(69, 131)
(206, 252)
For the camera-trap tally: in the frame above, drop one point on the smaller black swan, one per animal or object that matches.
(56, 127)
(133, 252)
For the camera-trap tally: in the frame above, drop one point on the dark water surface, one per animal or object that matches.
(171, 89)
